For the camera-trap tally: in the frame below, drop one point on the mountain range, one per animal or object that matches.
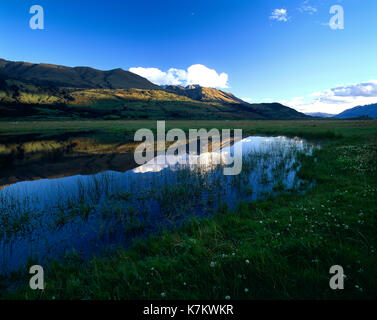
(357, 112)
(47, 91)
(320, 114)
(368, 111)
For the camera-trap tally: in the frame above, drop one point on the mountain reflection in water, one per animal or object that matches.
(98, 213)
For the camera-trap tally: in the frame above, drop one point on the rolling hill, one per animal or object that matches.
(78, 77)
(30, 91)
(357, 112)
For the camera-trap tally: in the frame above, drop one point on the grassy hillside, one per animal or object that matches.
(22, 100)
(79, 77)
(42, 91)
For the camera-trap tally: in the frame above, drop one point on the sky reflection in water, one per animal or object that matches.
(89, 214)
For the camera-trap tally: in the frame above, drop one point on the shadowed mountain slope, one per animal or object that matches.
(357, 112)
(78, 77)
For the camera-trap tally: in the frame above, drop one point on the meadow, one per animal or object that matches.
(272, 248)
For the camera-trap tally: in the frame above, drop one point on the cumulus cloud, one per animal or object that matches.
(195, 74)
(279, 15)
(171, 77)
(337, 99)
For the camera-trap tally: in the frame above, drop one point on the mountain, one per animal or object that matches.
(320, 114)
(78, 77)
(357, 112)
(25, 101)
(50, 92)
(199, 93)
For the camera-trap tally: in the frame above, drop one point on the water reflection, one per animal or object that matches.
(88, 214)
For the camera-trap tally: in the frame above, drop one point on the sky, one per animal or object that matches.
(260, 50)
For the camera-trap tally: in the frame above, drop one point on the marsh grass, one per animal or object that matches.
(277, 248)
(137, 204)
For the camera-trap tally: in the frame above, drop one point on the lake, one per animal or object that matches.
(98, 213)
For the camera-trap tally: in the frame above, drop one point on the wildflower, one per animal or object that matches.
(246, 290)
(227, 298)
(212, 264)
(247, 261)
(184, 283)
(163, 294)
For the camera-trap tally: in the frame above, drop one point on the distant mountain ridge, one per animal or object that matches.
(357, 112)
(77, 77)
(320, 114)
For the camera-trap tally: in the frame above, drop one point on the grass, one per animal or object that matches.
(307, 128)
(279, 248)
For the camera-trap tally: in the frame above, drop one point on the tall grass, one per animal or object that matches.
(136, 203)
(273, 248)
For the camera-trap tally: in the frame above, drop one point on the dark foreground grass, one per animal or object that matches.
(306, 127)
(279, 248)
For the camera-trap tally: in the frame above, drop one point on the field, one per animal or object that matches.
(308, 128)
(276, 248)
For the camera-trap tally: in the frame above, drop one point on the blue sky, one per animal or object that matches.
(292, 56)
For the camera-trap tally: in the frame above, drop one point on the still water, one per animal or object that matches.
(99, 213)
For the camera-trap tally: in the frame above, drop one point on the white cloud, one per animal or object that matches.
(173, 76)
(199, 74)
(337, 99)
(307, 8)
(195, 74)
(279, 15)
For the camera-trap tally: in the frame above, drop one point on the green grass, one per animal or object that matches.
(305, 127)
(279, 248)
